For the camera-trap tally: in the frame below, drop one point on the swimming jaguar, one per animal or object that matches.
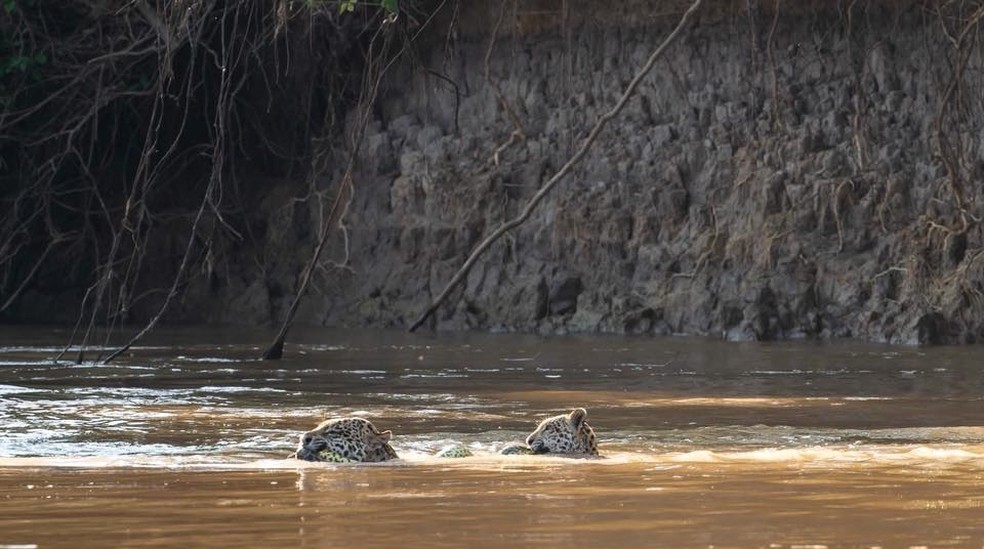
(356, 439)
(347, 439)
(567, 434)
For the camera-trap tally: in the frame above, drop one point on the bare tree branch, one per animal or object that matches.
(557, 177)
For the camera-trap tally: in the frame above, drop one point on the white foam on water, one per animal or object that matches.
(237, 389)
(485, 457)
(16, 390)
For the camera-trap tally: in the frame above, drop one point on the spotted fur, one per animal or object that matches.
(349, 439)
(516, 449)
(564, 434)
(454, 451)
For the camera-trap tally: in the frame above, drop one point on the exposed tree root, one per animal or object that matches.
(128, 126)
(770, 55)
(947, 138)
(518, 135)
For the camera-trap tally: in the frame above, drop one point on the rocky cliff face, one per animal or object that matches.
(811, 173)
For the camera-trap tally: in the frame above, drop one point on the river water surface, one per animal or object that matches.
(706, 444)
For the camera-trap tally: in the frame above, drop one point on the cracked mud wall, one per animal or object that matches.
(776, 176)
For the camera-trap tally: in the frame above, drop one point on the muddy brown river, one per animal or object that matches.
(707, 444)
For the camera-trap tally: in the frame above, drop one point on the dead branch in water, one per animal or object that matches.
(343, 197)
(340, 204)
(557, 177)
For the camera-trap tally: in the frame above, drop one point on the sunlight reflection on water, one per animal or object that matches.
(704, 442)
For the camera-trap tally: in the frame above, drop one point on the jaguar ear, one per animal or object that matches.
(386, 435)
(577, 416)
